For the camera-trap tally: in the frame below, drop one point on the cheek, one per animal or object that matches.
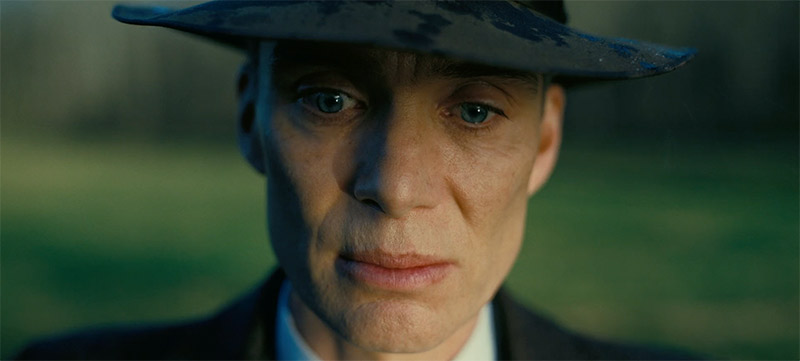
(304, 164)
(302, 190)
(490, 186)
(490, 183)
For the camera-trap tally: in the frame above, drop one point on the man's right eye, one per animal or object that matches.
(327, 101)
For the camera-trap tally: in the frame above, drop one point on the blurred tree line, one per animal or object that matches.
(68, 68)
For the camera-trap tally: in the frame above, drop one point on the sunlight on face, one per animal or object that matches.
(397, 187)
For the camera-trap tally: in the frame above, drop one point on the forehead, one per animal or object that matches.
(377, 63)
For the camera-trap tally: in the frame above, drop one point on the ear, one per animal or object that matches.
(247, 135)
(549, 137)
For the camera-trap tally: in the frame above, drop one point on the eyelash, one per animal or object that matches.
(491, 108)
(305, 92)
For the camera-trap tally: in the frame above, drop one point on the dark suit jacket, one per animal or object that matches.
(245, 330)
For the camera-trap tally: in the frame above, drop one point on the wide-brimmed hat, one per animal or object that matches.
(523, 35)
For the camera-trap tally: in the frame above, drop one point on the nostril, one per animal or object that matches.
(373, 204)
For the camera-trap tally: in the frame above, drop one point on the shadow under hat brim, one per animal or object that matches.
(497, 33)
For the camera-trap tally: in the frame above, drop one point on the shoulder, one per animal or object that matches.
(221, 336)
(117, 342)
(524, 334)
(234, 332)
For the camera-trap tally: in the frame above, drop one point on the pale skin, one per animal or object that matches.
(369, 150)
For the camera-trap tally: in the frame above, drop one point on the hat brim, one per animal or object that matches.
(497, 33)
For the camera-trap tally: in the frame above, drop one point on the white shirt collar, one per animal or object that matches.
(290, 345)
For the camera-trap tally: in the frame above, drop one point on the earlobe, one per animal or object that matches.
(247, 135)
(550, 131)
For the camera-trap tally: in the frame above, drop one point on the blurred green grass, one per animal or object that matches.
(694, 245)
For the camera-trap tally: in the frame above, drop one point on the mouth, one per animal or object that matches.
(396, 272)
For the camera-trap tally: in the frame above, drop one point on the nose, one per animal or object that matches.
(398, 164)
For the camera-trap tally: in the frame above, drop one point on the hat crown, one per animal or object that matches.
(526, 35)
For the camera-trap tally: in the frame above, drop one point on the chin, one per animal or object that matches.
(395, 326)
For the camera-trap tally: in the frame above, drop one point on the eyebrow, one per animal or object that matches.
(464, 70)
(288, 55)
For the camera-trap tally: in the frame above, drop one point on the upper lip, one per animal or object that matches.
(394, 260)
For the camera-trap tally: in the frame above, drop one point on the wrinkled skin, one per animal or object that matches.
(369, 149)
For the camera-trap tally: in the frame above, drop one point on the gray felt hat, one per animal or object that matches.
(522, 35)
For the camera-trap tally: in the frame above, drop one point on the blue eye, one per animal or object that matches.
(474, 113)
(329, 102)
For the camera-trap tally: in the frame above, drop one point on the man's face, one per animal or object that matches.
(397, 187)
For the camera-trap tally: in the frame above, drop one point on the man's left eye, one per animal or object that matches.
(475, 113)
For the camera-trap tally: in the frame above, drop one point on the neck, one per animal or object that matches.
(329, 345)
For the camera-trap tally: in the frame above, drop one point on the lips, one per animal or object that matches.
(397, 272)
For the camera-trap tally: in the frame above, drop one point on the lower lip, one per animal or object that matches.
(397, 279)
